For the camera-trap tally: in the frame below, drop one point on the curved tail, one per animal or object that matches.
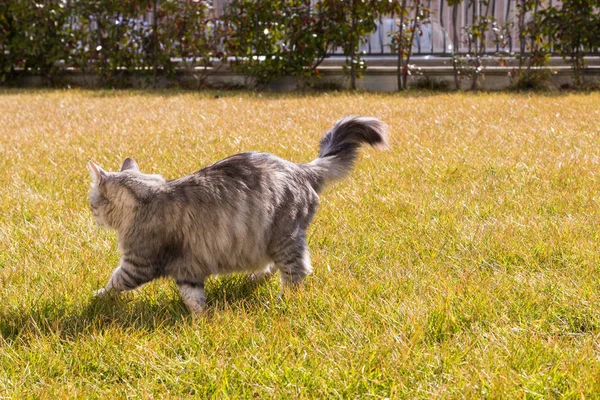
(339, 147)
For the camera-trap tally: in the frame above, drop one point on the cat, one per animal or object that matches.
(246, 213)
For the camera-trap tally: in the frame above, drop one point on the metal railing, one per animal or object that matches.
(436, 37)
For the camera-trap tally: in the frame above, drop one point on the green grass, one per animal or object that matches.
(463, 262)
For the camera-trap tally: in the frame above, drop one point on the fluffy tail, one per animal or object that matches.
(339, 147)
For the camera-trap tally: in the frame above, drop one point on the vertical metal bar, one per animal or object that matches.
(380, 36)
(496, 21)
(487, 21)
(466, 24)
(551, 48)
(506, 20)
(476, 20)
(415, 34)
(430, 26)
(455, 40)
(155, 47)
(442, 25)
(393, 26)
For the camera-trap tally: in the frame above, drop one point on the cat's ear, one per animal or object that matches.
(97, 173)
(129, 164)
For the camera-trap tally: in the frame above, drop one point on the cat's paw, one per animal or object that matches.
(100, 293)
(254, 277)
(196, 308)
(260, 276)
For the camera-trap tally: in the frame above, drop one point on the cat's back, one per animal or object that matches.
(258, 184)
(249, 171)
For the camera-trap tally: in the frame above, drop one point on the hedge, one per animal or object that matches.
(262, 39)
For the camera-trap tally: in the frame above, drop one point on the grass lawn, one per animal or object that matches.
(463, 262)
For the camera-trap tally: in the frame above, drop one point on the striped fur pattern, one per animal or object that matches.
(246, 213)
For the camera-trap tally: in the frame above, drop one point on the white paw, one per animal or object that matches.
(101, 292)
(255, 276)
(259, 276)
(195, 307)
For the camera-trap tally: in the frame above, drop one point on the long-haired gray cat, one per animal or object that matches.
(248, 212)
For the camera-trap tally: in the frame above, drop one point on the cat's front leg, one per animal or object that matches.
(192, 293)
(262, 274)
(127, 276)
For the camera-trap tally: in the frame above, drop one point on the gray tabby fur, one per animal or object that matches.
(246, 213)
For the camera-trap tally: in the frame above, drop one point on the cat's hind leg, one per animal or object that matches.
(293, 262)
(192, 293)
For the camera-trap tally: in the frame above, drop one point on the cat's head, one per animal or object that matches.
(114, 195)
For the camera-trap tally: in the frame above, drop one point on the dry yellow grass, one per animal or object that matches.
(461, 263)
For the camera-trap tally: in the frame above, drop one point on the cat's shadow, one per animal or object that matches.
(131, 311)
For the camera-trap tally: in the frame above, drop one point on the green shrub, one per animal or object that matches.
(256, 31)
(35, 37)
(266, 39)
(575, 31)
(413, 14)
(190, 31)
(532, 79)
(427, 83)
(352, 21)
(274, 38)
(112, 40)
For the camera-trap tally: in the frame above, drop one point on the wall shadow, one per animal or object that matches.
(214, 94)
